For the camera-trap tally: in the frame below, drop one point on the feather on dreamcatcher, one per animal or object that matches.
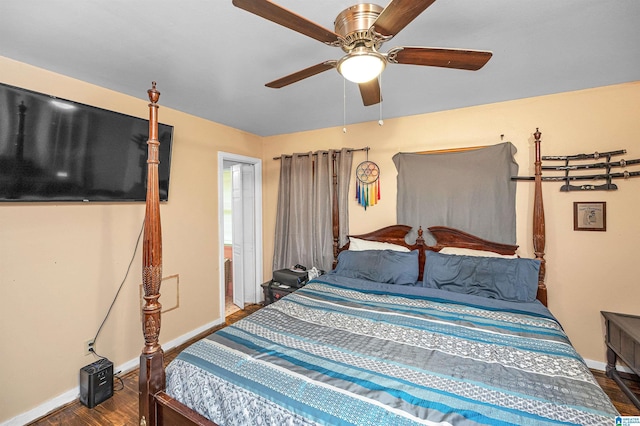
(367, 183)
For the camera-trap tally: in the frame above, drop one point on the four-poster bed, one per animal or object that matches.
(306, 359)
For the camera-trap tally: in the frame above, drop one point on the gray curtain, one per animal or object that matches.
(321, 230)
(344, 163)
(470, 190)
(294, 215)
(304, 216)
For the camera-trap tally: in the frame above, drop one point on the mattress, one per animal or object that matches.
(347, 351)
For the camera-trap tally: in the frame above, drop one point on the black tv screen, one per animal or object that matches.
(53, 149)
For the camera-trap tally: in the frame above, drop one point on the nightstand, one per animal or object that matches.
(274, 291)
(623, 341)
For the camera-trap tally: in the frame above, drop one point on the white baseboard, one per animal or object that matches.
(41, 410)
(188, 336)
(73, 394)
(597, 365)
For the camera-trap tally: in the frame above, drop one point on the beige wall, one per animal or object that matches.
(61, 264)
(587, 271)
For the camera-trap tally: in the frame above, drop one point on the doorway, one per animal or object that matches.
(240, 224)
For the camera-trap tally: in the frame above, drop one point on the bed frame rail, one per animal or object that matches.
(174, 413)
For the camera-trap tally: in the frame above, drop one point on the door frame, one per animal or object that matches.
(257, 165)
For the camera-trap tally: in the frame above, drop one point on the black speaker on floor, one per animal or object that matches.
(96, 382)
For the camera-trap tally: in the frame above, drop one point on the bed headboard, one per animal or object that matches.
(450, 237)
(445, 237)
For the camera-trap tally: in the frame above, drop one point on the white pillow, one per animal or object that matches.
(358, 245)
(471, 252)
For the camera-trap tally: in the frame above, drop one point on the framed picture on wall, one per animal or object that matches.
(590, 216)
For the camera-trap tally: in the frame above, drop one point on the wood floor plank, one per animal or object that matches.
(122, 408)
(620, 400)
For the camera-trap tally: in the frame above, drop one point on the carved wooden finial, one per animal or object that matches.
(154, 94)
(538, 163)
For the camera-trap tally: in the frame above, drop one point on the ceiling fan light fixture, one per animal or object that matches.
(361, 65)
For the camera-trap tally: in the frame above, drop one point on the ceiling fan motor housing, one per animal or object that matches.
(353, 25)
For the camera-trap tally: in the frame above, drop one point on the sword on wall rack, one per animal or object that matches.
(566, 168)
(594, 155)
(606, 165)
(568, 187)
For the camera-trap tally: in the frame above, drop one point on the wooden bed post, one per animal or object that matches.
(152, 376)
(538, 221)
(335, 214)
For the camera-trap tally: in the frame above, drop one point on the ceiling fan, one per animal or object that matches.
(360, 31)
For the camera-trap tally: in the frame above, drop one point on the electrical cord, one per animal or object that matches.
(120, 380)
(133, 256)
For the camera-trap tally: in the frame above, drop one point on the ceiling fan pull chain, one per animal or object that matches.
(380, 122)
(344, 106)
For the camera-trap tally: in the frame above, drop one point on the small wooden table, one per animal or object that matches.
(623, 341)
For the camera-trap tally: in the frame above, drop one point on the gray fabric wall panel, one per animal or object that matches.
(468, 190)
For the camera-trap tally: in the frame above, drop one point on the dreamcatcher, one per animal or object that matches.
(367, 183)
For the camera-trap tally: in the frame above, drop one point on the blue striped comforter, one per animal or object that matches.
(349, 352)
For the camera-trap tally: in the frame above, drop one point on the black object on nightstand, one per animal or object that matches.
(623, 341)
(274, 291)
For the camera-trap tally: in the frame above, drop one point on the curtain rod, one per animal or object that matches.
(366, 148)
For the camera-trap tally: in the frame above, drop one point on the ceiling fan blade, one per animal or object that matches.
(398, 14)
(302, 74)
(370, 92)
(461, 59)
(286, 18)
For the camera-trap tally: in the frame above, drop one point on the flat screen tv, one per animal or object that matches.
(53, 149)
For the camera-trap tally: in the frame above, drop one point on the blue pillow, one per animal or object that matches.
(384, 266)
(494, 278)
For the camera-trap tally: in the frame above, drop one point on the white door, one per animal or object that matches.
(243, 217)
(225, 160)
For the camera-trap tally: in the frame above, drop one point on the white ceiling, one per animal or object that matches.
(211, 59)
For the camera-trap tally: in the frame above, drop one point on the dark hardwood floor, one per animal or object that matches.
(122, 408)
(620, 400)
